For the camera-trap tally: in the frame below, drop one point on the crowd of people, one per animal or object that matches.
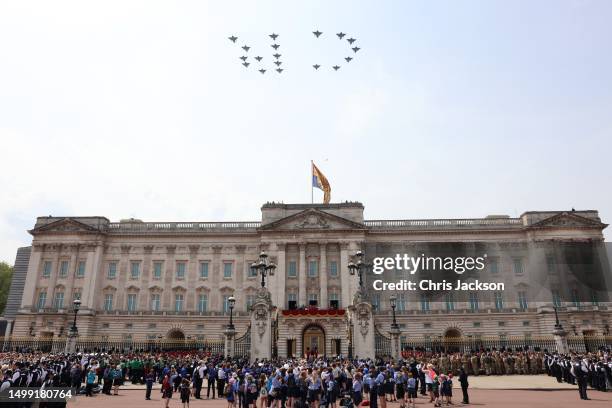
(297, 383)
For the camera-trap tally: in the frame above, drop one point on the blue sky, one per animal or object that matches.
(450, 109)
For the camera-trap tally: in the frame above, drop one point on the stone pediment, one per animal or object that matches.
(65, 225)
(313, 219)
(568, 220)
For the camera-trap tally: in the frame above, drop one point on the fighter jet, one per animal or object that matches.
(355, 49)
(348, 59)
(279, 70)
(258, 58)
(317, 33)
(275, 46)
(263, 71)
(278, 63)
(246, 64)
(277, 55)
(233, 38)
(244, 58)
(246, 49)
(336, 67)
(351, 40)
(273, 36)
(316, 66)
(340, 35)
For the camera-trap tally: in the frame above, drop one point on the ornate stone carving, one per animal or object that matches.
(363, 319)
(148, 249)
(217, 249)
(171, 249)
(193, 249)
(125, 249)
(240, 248)
(313, 221)
(261, 321)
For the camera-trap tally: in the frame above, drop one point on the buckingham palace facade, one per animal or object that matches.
(147, 280)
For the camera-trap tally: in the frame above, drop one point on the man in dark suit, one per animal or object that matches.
(463, 380)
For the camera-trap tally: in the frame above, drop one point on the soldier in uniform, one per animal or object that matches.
(475, 365)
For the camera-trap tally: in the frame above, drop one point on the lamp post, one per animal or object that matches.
(358, 268)
(557, 323)
(263, 267)
(77, 305)
(231, 302)
(393, 301)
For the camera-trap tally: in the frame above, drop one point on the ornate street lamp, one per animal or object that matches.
(77, 306)
(263, 267)
(557, 323)
(231, 302)
(393, 301)
(358, 267)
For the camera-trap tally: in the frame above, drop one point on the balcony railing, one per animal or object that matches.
(458, 223)
(145, 227)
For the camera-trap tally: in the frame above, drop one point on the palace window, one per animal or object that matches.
(312, 297)
(226, 303)
(180, 270)
(112, 270)
(131, 302)
(493, 266)
(155, 302)
(251, 272)
(550, 264)
(47, 265)
(473, 298)
(425, 302)
(556, 298)
(313, 267)
(42, 299)
(522, 299)
(401, 302)
(108, 302)
(58, 302)
(292, 269)
(575, 298)
(227, 269)
(291, 297)
(333, 269)
(376, 301)
(517, 264)
(450, 302)
(250, 300)
(499, 300)
(178, 302)
(204, 270)
(64, 269)
(157, 270)
(135, 270)
(76, 294)
(80, 269)
(334, 297)
(202, 303)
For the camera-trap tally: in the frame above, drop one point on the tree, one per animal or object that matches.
(6, 273)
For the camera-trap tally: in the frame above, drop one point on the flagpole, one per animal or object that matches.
(311, 186)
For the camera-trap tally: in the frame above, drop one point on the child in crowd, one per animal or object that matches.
(185, 392)
(412, 391)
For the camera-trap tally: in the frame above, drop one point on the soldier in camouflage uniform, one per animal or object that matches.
(475, 366)
(488, 363)
(498, 364)
(445, 366)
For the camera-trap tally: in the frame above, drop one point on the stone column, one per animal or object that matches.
(230, 337)
(122, 277)
(33, 277)
(363, 330)
(167, 295)
(94, 258)
(261, 326)
(324, 304)
(53, 278)
(280, 275)
(147, 276)
(74, 257)
(302, 301)
(191, 277)
(345, 277)
(215, 280)
(396, 348)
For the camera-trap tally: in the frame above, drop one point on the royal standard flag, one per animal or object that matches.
(320, 181)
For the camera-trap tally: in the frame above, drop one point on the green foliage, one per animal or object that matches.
(6, 272)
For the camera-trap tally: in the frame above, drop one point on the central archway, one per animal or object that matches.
(175, 335)
(313, 340)
(452, 340)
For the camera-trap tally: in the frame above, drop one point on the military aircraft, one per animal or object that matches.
(246, 48)
(258, 58)
(263, 71)
(244, 58)
(278, 63)
(356, 49)
(351, 40)
(246, 64)
(317, 33)
(348, 59)
(316, 66)
(275, 46)
(277, 55)
(233, 38)
(279, 70)
(273, 36)
(336, 67)
(340, 35)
